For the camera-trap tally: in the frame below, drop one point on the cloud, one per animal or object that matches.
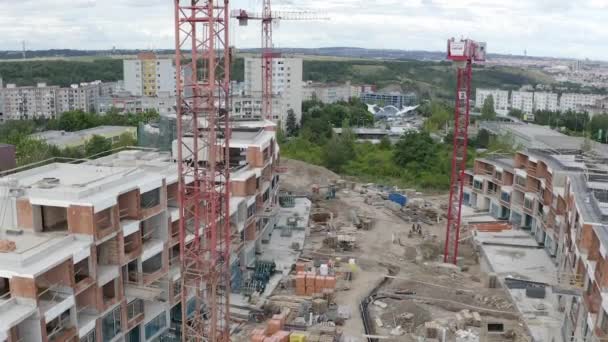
(562, 28)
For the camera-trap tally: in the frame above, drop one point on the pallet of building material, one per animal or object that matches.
(319, 306)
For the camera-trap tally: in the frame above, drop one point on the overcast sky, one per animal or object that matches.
(561, 28)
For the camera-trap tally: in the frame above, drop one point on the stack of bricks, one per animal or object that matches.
(273, 332)
(310, 284)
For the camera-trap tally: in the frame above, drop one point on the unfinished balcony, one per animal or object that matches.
(83, 275)
(106, 222)
(129, 206)
(172, 195)
(111, 294)
(132, 247)
(48, 219)
(55, 290)
(153, 268)
(152, 202)
(88, 307)
(61, 328)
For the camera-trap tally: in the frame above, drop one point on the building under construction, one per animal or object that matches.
(90, 251)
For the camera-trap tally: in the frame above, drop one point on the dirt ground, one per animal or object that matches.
(439, 292)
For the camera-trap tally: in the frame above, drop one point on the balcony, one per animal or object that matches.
(105, 223)
(54, 299)
(135, 312)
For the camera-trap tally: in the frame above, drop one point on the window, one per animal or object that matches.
(135, 308)
(528, 203)
(156, 325)
(498, 175)
(477, 184)
(110, 324)
(505, 197)
(133, 335)
(90, 336)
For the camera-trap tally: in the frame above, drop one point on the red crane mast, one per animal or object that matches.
(202, 59)
(463, 52)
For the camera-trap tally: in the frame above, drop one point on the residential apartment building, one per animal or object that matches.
(523, 100)
(395, 99)
(558, 196)
(163, 103)
(500, 97)
(148, 75)
(546, 101)
(286, 85)
(43, 101)
(90, 251)
(330, 93)
(84, 96)
(572, 101)
(29, 102)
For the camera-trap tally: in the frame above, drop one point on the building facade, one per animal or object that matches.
(546, 101)
(286, 85)
(523, 100)
(95, 254)
(573, 101)
(500, 97)
(330, 93)
(559, 198)
(43, 101)
(396, 99)
(163, 103)
(148, 75)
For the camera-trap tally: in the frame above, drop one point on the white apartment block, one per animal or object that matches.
(501, 99)
(329, 93)
(286, 85)
(29, 102)
(523, 101)
(84, 96)
(572, 101)
(546, 101)
(148, 75)
(42, 101)
(164, 104)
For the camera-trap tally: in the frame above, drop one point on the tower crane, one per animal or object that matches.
(463, 53)
(268, 17)
(202, 61)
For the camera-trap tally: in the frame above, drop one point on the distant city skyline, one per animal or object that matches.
(551, 28)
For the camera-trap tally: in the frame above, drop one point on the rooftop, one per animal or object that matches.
(94, 183)
(505, 253)
(66, 139)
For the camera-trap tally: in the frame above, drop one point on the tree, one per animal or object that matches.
(516, 113)
(340, 149)
(487, 111)
(96, 145)
(598, 127)
(415, 147)
(440, 115)
(483, 139)
(291, 124)
(385, 143)
(124, 140)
